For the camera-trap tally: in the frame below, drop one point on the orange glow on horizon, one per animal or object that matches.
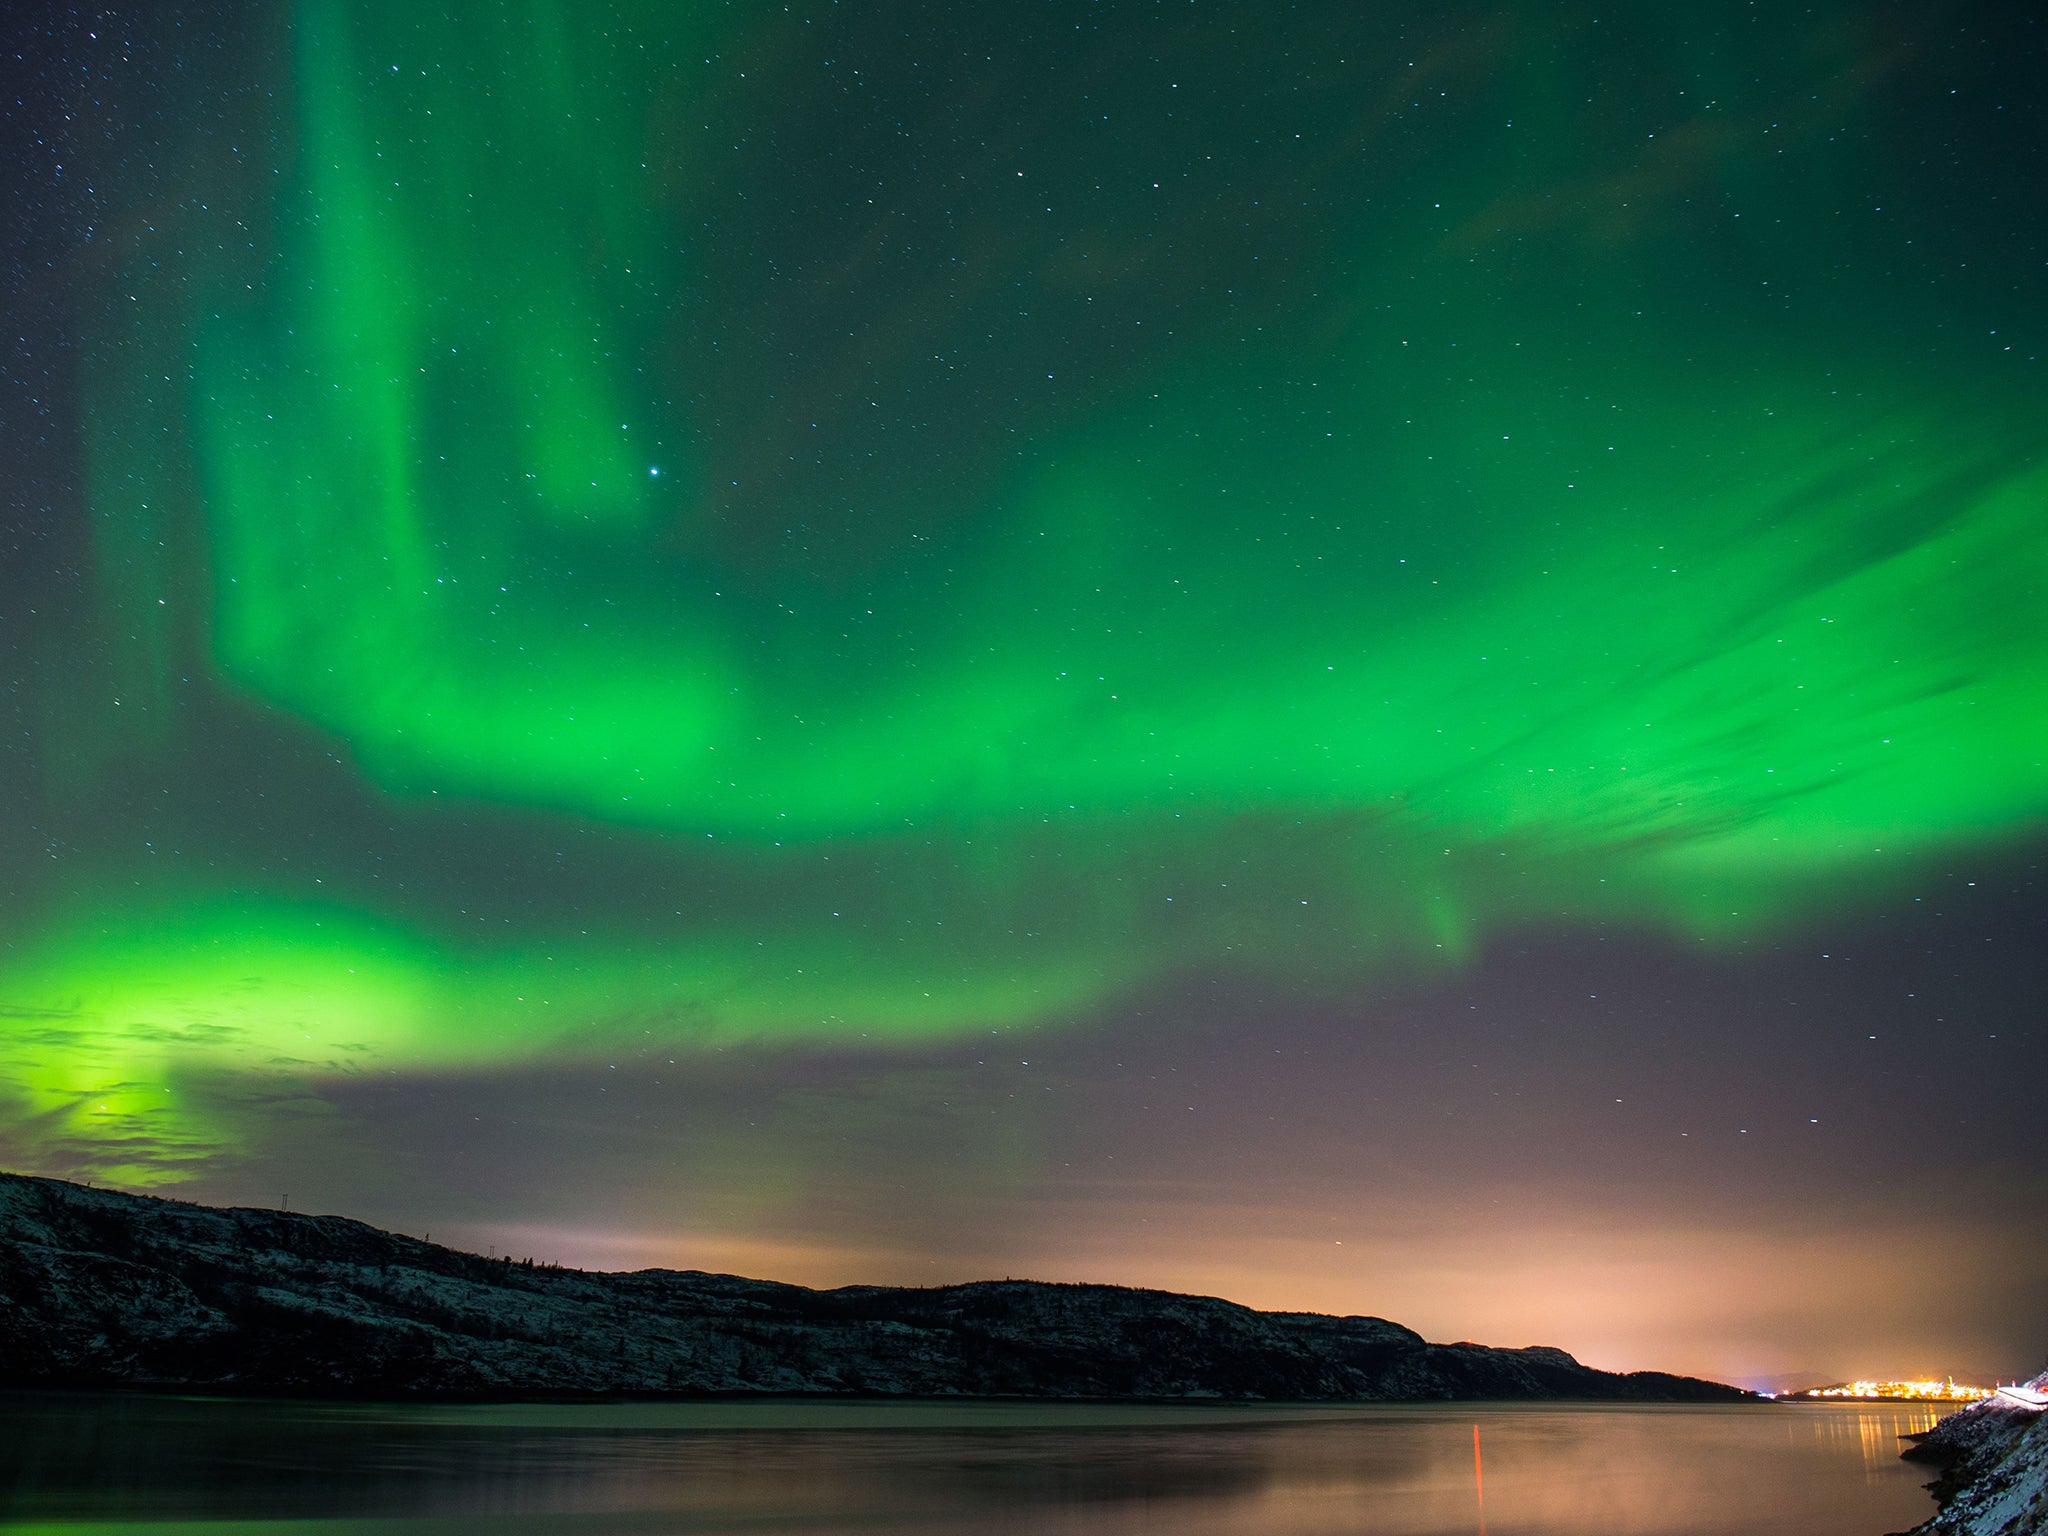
(1619, 1291)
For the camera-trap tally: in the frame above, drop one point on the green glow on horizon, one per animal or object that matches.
(1306, 659)
(113, 1023)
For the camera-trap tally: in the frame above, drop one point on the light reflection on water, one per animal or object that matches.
(87, 1465)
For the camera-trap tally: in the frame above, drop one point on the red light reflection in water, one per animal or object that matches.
(1479, 1479)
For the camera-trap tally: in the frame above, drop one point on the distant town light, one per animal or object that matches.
(1914, 1391)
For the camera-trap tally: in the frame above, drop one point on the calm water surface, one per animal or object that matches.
(86, 1464)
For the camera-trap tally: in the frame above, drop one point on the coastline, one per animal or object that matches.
(1993, 1458)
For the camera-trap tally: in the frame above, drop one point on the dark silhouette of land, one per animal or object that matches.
(103, 1289)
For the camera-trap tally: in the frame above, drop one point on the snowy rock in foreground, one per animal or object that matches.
(1994, 1460)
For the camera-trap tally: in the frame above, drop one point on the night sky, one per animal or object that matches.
(1387, 658)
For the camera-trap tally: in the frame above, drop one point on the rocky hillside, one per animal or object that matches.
(1994, 1460)
(105, 1289)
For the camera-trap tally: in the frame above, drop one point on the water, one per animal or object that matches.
(84, 1464)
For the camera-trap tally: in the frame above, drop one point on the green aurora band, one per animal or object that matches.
(1521, 555)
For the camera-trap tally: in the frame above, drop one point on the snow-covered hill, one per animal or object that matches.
(99, 1288)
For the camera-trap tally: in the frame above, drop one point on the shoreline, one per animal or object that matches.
(1993, 1460)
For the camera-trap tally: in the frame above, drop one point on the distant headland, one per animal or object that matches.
(104, 1289)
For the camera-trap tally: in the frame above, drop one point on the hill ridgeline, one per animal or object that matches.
(103, 1289)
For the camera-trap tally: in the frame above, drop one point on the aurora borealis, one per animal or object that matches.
(734, 557)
